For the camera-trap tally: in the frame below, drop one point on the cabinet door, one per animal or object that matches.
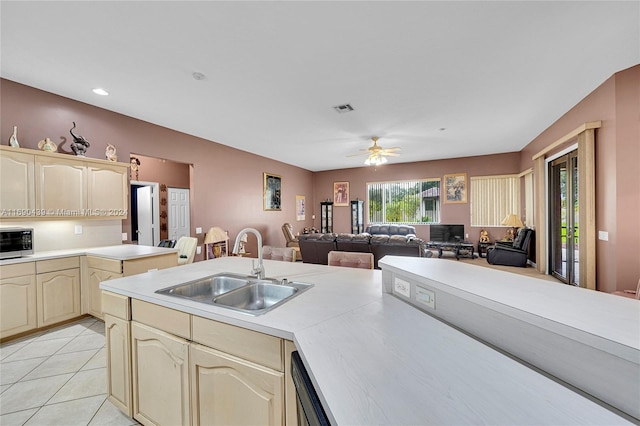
(226, 390)
(58, 296)
(17, 191)
(17, 305)
(96, 276)
(107, 191)
(117, 335)
(160, 367)
(61, 187)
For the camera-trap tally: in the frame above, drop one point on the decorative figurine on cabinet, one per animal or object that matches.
(47, 145)
(80, 144)
(484, 236)
(110, 153)
(13, 140)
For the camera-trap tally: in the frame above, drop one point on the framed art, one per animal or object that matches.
(340, 193)
(455, 188)
(272, 191)
(299, 207)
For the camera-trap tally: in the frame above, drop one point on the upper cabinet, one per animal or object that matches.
(17, 190)
(39, 185)
(61, 188)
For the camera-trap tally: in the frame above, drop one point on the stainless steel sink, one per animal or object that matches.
(206, 289)
(238, 292)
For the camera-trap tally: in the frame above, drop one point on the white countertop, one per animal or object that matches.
(377, 360)
(121, 252)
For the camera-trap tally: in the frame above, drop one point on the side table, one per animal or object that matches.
(482, 248)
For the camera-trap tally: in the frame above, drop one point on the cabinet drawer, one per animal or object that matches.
(165, 319)
(43, 266)
(105, 264)
(144, 264)
(17, 270)
(248, 344)
(116, 305)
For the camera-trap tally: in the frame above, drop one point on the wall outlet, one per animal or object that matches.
(603, 235)
(402, 287)
(198, 230)
(426, 297)
(125, 237)
(466, 236)
(77, 230)
(198, 250)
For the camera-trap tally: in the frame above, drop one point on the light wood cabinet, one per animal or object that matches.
(160, 372)
(61, 189)
(101, 269)
(17, 190)
(48, 185)
(108, 191)
(118, 335)
(229, 390)
(17, 299)
(58, 296)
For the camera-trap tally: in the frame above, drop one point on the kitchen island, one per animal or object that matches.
(373, 358)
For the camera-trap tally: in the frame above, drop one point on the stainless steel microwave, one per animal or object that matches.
(15, 242)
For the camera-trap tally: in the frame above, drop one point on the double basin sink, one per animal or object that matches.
(238, 292)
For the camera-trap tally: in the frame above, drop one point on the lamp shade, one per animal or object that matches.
(512, 220)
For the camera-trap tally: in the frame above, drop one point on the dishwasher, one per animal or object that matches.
(310, 411)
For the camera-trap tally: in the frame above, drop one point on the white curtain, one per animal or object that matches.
(493, 198)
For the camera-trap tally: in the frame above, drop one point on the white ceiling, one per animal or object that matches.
(493, 75)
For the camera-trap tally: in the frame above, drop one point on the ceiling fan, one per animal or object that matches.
(376, 154)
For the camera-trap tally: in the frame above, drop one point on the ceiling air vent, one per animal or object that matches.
(343, 108)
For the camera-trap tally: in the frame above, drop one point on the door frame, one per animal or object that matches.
(549, 241)
(155, 197)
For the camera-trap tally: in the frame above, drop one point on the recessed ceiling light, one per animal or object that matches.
(99, 91)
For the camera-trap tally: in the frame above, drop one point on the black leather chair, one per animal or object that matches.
(167, 243)
(514, 254)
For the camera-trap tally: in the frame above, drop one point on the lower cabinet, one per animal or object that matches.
(160, 372)
(227, 390)
(17, 299)
(96, 276)
(118, 338)
(58, 296)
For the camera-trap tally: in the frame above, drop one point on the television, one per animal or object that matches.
(446, 233)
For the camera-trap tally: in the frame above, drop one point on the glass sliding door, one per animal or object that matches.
(563, 218)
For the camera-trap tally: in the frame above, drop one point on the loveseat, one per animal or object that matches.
(315, 248)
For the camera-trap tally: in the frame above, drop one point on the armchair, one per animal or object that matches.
(514, 254)
(291, 240)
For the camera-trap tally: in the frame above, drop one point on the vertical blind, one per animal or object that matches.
(528, 200)
(414, 201)
(492, 198)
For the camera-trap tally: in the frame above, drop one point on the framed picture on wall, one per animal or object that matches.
(272, 191)
(300, 207)
(341, 193)
(455, 188)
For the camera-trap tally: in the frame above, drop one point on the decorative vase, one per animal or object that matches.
(13, 140)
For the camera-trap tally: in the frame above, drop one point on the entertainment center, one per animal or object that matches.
(450, 238)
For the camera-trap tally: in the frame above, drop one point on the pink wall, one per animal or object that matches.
(450, 213)
(226, 183)
(617, 104)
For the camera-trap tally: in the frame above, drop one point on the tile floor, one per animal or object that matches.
(57, 377)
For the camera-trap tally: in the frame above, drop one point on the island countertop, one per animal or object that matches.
(376, 360)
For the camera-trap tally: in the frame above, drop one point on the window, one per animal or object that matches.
(493, 198)
(410, 202)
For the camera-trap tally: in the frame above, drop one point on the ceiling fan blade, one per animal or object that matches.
(390, 154)
(357, 155)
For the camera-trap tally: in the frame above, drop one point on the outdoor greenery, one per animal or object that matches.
(404, 202)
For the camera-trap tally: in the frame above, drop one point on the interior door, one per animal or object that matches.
(145, 217)
(178, 212)
(563, 218)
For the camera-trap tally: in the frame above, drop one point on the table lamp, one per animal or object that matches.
(513, 221)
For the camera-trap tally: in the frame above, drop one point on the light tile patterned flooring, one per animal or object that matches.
(57, 377)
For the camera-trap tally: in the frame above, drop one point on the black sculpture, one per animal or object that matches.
(80, 144)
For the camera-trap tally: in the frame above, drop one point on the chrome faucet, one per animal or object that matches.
(259, 270)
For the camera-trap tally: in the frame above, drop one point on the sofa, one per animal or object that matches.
(315, 248)
(390, 229)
